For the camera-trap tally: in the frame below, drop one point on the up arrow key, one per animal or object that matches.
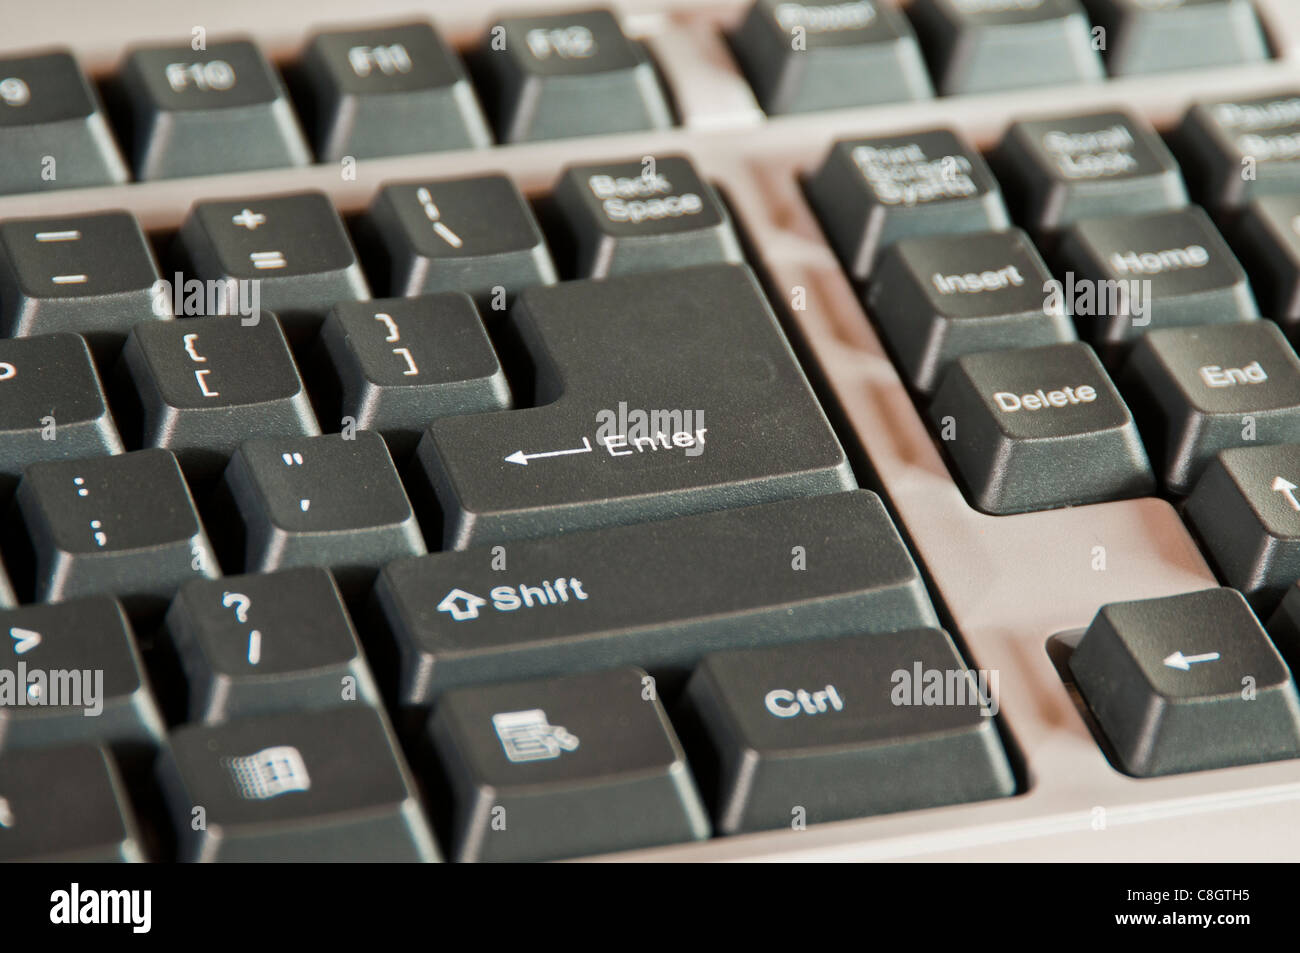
(1283, 485)
(24, 640)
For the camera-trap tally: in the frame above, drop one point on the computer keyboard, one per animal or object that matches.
(668, 431)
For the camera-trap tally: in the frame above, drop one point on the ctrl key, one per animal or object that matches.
(847, 728)
(302, 787)
(1166, 680)
(562, 767)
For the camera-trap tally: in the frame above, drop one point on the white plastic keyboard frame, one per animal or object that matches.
(1009, 582)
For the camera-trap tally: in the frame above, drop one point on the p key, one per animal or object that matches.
(40, 377)
(93, 274)
(202, 112)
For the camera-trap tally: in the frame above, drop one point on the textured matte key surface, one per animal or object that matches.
(1164, 679)
(206, 384)
(1036, 428)
(1220, 139)
(304, 786)
(840, 729)
(93, 274)
(658, 595)
(387, 91)
(860, 53)
(71, 672)
(124, 524)
(1065, 168)
(1197, 391)
(471, 235)
(49, 111)
(568, 74)
(579, 765)
(1154, 36)
(623, 217)
(293, 246)
(1267, 239)
(395, 364)
(620, 363)
(1164, 269)
(204, 112)
(939, 297)
(83, 817)
(320, 501)
(255, 644)
(976, 46)
(50, 378)
(1245, 510)
(871, 192)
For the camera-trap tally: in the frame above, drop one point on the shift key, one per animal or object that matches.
(658, 596)
(656, 395)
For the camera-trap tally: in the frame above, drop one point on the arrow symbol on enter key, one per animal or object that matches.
(1184, 662)
(522, 458)
(24, 640)
(1283, 485)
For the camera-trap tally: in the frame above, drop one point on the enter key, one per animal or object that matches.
(659, 395)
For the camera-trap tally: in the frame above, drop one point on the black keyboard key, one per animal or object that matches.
(1036, 428)
(1125, 274)
(475, 235)
(937, 298)
(1154, 36)
(871, 192)
(71, 672)
(1284, 627)
(1065, 168)
(585, 764)
(320, 501)
(1165, 680)
(83, 817)
(1245, 510)
(203, 385)
(798, 569)
(837, 729)
(124, 524)
(976, 46)
(256, 644)
(387, 91)
(329, 785)
(623, 217)
(204, 112)
(1267, 238)
(568, 74)
(1201, 390)
(52, 130)
(93, 274)
(398, 363)
(52, 405)
(801, 57)
(1234, 150)
(293, 246)
(691, 347)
